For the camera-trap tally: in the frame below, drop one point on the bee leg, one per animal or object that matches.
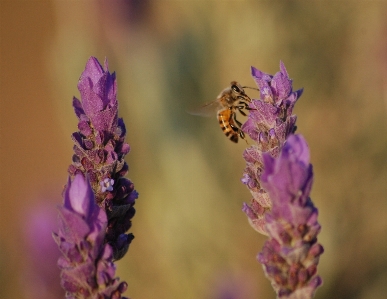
(240, 132)
(237, 121)
(245, 97)
(241, 111)
(245, 105)
(235, 128)
(243, 136)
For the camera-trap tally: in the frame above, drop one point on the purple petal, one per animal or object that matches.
(80, 196)
(78, 109)
(69, 219)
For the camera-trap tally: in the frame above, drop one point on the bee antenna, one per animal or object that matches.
(250, 87)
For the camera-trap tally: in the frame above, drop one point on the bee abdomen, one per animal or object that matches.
(224, 122)
(234, 138)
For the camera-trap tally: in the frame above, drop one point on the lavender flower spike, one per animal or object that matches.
(291, 254)
(99, 151)
(87, 268)
(269, 123)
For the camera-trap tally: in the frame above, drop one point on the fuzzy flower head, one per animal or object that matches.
(99, 151)
(291, 254)
(269, 123)
(87, 269)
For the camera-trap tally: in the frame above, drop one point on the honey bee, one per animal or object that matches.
(227, 103)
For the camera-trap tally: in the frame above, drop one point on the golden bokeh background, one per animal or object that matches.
(192, 240)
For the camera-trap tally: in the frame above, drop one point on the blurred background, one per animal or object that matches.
(192, 239)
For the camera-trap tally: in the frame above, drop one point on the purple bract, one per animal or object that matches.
(87, 268)
(269, 123)
(291, 254)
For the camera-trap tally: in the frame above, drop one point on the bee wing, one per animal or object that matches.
(208, 109)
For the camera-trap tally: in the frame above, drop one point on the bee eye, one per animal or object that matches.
(235, 88)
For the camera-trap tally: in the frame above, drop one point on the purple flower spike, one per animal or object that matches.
(291, 254)
(99, 151)
(87, 269)
(269, 123)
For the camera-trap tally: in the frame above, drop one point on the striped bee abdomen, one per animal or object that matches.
(227, 124)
